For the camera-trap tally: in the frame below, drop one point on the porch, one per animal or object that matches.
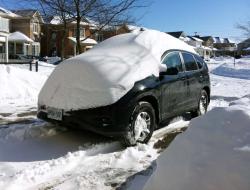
(19, 44)
(3, 47)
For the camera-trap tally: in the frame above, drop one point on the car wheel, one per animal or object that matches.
(142, 124)
(203, 105)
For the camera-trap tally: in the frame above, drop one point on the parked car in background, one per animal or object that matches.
(127, 86)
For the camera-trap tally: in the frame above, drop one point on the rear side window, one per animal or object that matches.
(199, 61)
(173, 60)
(189, 61)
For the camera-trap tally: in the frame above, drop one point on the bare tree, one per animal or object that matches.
(102, 12)
(51, 8)
(245, 28)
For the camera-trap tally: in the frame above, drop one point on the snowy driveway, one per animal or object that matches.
(35, 154)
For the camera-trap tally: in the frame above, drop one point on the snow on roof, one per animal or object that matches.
(231, 41)
(84, 41)
(223, 40)
(19, 37)
(188, 39)
(197, 39)
(56, 20)
(217, 39)
(25, 12)
(5, 12)
(102, 75)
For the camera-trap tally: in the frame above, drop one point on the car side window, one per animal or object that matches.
(173, 60)
(189, 61)
(199, 61)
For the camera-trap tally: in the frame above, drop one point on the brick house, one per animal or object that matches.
(109, 32)
(53, 34)
(28, 23)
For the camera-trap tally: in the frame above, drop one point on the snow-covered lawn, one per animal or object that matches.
(19, 88)
(38, 155)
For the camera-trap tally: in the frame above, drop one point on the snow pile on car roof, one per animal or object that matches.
(104, 74)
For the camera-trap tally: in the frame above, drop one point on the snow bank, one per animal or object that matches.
(212, 154)
(240, 70)
(19, 87)
(107, 72)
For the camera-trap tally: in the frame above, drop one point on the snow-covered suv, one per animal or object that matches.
(127, 86)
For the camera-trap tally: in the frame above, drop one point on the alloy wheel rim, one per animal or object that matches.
(142, 126)
(203, 104)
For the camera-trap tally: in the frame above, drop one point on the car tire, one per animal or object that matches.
(141, 126)
(202, 106)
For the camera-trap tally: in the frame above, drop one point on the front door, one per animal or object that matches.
(173, 86)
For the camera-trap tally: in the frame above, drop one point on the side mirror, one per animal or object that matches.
(163, 68)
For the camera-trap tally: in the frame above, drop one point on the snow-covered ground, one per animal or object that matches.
(38, 155)
(19, 89)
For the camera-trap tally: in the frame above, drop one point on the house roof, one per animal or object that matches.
(176, 34)
(196, 39)
(84, 41)
(6, 13)
(28, 14)
(204, 38)
(57, 20)
(25, 12)
(219, 40)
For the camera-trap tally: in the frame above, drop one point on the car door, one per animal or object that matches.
(173, 86)
(193, 80)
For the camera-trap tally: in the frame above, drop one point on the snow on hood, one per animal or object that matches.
(107, 72)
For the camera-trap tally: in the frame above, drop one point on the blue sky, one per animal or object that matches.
(207, 17)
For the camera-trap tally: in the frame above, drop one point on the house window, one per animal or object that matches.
(36, 49)
(82, 32)
(35, 27)
(4, 24)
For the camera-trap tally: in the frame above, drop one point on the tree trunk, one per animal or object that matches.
(63, 40)
(78, 41)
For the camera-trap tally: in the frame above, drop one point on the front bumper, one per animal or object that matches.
(109, 120)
